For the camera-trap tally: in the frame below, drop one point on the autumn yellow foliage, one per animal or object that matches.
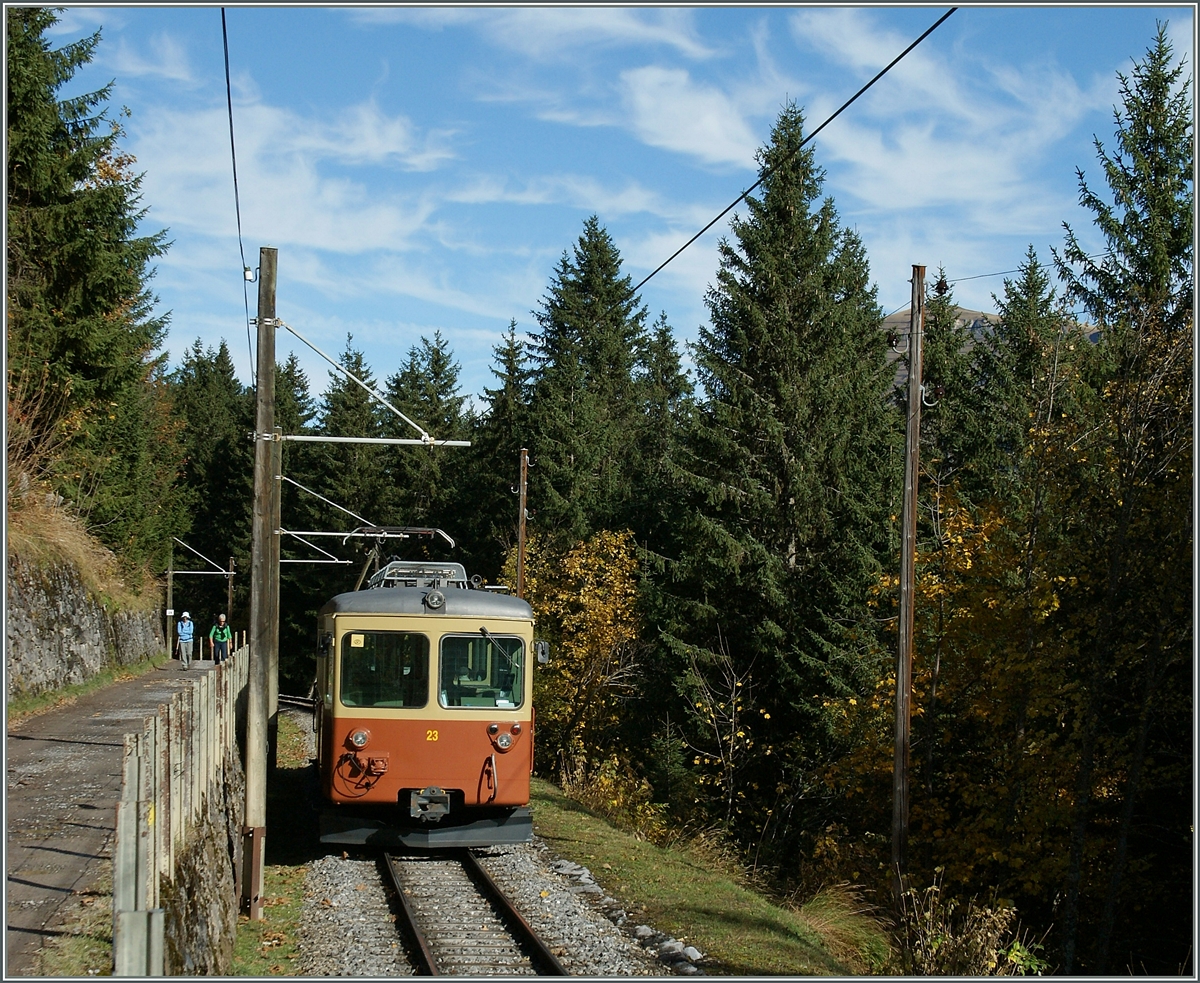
(584, 601)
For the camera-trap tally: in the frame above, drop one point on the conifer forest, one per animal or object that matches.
(714, 553)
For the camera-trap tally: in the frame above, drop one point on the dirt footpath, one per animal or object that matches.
(64, 780)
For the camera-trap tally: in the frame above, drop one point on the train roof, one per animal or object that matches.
(460, 603)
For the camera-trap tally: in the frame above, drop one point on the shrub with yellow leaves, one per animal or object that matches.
(584, 600)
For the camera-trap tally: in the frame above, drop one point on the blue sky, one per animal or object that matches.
(423, 169)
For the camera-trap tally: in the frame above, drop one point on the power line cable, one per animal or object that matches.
(788, 158)
(1041, 266)
(237, 204)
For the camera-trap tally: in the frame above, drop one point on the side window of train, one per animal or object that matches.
(325, 666)
(475, 671)
(384, 669)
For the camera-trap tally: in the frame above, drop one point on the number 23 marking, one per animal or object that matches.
(431, 735)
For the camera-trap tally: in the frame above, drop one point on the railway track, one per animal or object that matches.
(459, 923)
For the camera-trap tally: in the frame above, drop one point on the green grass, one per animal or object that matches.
(683, 893)
(22, 706)
(268, 947)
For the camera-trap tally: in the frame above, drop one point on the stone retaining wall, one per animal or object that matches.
(201, 906)
(57, 633)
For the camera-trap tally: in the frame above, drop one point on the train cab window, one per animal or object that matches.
(482, 672)
(384, 669)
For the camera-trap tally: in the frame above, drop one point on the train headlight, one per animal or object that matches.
(504, 741)
(359, 738)
(435, 599)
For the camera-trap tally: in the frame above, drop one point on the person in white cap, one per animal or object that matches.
(186, 632)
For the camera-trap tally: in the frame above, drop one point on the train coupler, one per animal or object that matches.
(429, 804)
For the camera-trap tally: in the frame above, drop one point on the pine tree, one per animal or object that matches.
(498, 434)
(216, 413)
(352, 475)
(303, 586)
(427, 480)
(790, 467)
(1149, 227)
(666, 400)
(85, 397)
(584, 403)
(1131, 614)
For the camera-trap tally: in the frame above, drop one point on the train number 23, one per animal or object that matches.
(431, 735)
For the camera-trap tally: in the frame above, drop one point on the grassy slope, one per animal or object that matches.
(678, 894)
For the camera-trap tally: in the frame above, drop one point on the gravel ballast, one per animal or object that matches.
(346, 899)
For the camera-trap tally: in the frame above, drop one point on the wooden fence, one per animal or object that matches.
(170, 770)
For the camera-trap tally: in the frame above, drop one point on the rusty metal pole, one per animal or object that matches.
(521, 525)
(908, 552)
(255, 819)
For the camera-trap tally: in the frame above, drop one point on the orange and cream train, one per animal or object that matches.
(424, 711)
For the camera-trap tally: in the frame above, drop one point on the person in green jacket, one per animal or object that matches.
(218, 640)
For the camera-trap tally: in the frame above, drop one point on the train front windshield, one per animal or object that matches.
(482, 672)
(385, 669)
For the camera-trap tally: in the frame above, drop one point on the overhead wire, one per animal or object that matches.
(237, 204)
(771, 170)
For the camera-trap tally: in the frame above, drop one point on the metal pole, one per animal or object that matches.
(273, 597)
(255, 820)
(908, 550)
(229, 595)
(521, 525)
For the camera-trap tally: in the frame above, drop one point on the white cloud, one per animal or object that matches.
(284, 165)
(669, 110)
(582, 191)
(74, 21)
(363, 134)
(945, 129)
(555, 33)
(167, 60)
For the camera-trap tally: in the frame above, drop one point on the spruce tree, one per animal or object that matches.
(303, 586)
(666, 399)
(498, 434)
(1148, 227)
(85, 394)
(790, 471)
(1130, 614)
(352, 475)
(216, 413)
(584, 404)
(426, 481)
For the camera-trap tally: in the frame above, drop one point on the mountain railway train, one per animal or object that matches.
(424, 711)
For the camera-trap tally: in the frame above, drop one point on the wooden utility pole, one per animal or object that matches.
(908, 550)
(521, 525)
(229, 594)
(169, 634)
(273, 600)
(262, 552)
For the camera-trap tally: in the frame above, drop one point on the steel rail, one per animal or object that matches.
(425, 964)
(303, 702)
(544, 961)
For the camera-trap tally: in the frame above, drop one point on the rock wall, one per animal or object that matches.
(201, 906)
(57, 633)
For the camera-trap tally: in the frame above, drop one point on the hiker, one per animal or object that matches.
(185, 631)
(218, 640)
